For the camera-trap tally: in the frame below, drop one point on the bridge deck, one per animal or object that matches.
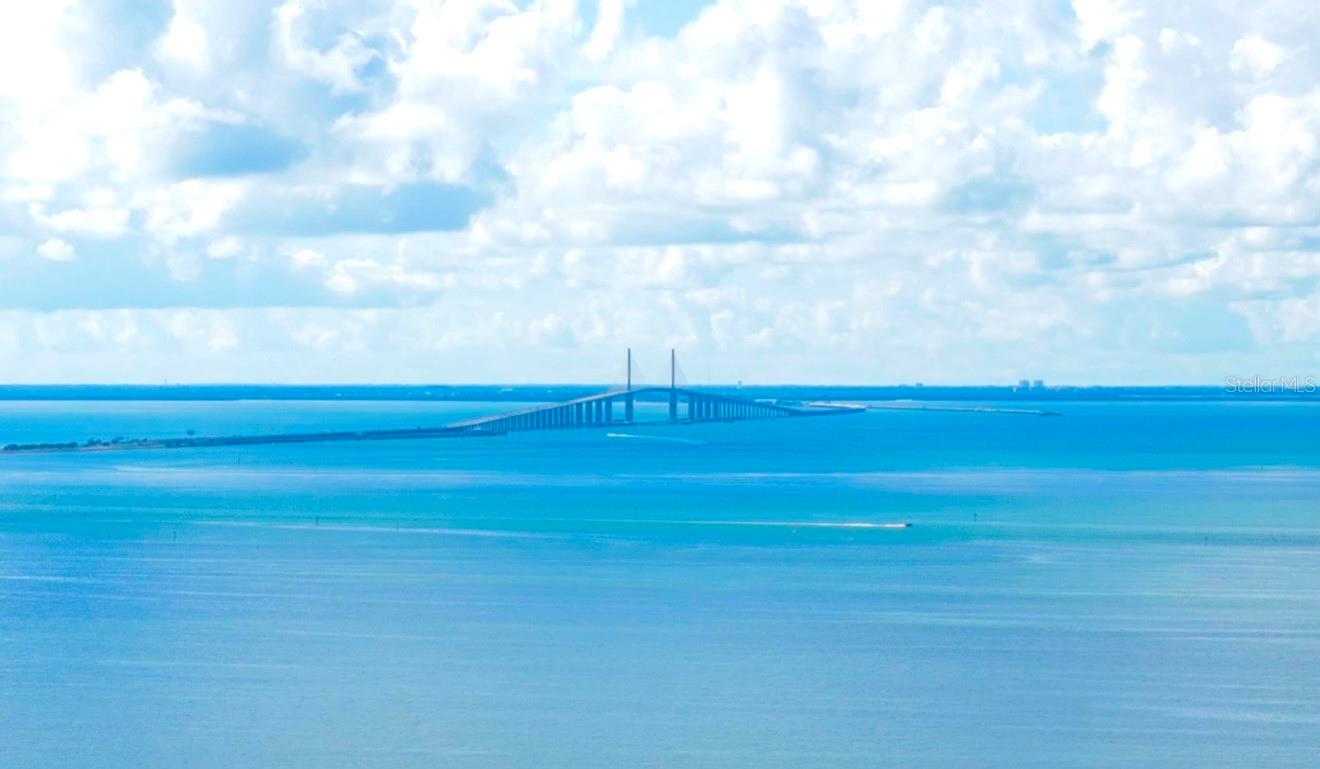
(591, 411)
(600, 409)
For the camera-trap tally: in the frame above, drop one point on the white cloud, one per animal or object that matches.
(464, 71)
(338, 66)
(189, 208)
(306, 257)
(1103, 20)
(605, 34)
(225, 248)
(112, 128)
(185, 41)
(33, 38)
(206, 332)
(867, 190)
(349, 276)
(56, 250)
(98, 221)
(1256, 55)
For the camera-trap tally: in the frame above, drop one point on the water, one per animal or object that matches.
(1127, 585)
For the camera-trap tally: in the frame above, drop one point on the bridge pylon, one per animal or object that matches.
(673, 385)
(628, 399)
(599, 410)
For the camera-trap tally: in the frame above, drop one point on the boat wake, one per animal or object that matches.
(661, 438)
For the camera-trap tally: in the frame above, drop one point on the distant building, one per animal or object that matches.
(1023, 384)
(1038, 384)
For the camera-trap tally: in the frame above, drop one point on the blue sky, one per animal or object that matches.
(786, 190)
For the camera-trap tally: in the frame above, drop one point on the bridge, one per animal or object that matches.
(619, 407)
(612, 407)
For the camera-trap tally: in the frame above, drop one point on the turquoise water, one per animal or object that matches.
(1126, 585)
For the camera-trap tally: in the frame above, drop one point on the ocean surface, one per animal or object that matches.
(1124, 585)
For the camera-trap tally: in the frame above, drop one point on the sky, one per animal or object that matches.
(832, 191)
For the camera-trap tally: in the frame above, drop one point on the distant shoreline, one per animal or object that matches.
(560, 392)
(194, 442)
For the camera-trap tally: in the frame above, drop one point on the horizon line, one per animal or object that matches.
(1265, 385)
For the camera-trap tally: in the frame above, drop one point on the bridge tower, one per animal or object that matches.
(628, 399)
(673, 386)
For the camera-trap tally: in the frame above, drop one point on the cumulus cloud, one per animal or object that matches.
(1256, 55)
(796, 189)
(185, 42)
(56, 250)
(338, 65)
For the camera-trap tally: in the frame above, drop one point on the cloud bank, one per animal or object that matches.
(786, 190)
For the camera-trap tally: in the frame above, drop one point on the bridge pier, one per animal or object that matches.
(601, 410)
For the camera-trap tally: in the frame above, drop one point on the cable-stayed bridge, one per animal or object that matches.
(629, 405)
(619, 407)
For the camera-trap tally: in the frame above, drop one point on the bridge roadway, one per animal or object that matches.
(615, 407)
(600, 409)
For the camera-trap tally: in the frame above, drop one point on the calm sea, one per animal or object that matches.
(1125, 585)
